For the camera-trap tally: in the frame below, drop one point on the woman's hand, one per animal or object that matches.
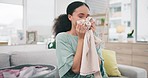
(93, 26)
(81, 30)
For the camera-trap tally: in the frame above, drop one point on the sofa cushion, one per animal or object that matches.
(132, 71)
(4, 60)
(34, 57)
(119, 77)
(110, 63)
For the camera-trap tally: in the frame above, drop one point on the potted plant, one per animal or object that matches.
(102, 21)
(130, 36)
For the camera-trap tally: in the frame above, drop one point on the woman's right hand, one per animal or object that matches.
(81, 30)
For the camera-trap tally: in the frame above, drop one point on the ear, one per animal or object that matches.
(69, 17)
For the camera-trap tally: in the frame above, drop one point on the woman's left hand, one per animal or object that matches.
(93, 26)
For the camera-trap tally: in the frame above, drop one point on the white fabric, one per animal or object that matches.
(90, 59)
(27, 72)
(34, 72)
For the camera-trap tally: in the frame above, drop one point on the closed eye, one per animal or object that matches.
(81, 16)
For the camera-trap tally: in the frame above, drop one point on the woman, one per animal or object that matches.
(69, 41)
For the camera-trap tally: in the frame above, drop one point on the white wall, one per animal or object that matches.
(17, 2)
(39, 16)
(40, 12)
(133, 15)
(142, 20)
(61, 5)
(98, 6)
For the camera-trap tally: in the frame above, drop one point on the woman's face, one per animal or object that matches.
(81, 12)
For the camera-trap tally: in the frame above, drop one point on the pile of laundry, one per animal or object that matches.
(25, 72)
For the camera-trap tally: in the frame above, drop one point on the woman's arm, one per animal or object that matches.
(78, 56)
(80, 30)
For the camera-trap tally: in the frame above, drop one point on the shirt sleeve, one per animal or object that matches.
(64, 53)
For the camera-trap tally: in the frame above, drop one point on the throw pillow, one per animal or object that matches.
(110, 63)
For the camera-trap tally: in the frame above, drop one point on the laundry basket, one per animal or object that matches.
(53, 71)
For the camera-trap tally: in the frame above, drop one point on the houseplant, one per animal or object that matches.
(130, 37)
(102, 21)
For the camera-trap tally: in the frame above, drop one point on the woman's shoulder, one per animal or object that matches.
(61, 35)
(65, 35)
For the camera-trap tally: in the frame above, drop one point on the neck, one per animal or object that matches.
(72, 31)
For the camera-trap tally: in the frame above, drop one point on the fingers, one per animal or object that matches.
(93, 26)
(81, 28)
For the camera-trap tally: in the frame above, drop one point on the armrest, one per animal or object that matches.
(132, 72)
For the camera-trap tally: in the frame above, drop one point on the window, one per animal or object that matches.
(11, 20)
(141, 22)
(119, 15)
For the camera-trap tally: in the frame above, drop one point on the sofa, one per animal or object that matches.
(48, 57)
